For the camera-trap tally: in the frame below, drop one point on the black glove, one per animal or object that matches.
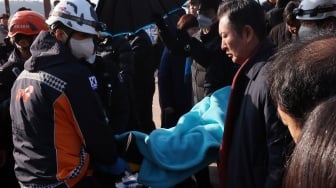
(166, 35)
(182, 43)
(184, 39)
(159, 22)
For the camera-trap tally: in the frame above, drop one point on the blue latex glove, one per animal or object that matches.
(118, 168)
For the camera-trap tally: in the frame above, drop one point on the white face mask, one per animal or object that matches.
(83, 49)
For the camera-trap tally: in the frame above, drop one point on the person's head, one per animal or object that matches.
(315, 16)
(3, 35)
(312, 163)
(303, 74)
(292, 23)
(193, 7)
(188, 23)
(22, 9)
(242, 27)
(23, 28)
(281, 3)
(207, 14)
(4, 19)
(74, 22)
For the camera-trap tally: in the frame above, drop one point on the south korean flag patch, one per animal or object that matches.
(93, 82)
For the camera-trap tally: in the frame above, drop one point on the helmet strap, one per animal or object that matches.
(69, 37)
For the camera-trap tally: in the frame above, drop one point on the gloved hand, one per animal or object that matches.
(182, 43)
(166, 34)
(159, 21)
(118, 168)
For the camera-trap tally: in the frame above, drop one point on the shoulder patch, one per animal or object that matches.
(93, 82)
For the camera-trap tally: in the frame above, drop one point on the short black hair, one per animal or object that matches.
(312, 163)
(23, 9)
(303, 73)
(4, 15)
(244, 12)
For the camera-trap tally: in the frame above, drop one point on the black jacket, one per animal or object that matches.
(114, 68)
(8, 73)
(211, 69)
(253, 151)
(280, 35)
(144, 83)
(174, 88)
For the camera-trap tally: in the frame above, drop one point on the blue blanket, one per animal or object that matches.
(172, 155)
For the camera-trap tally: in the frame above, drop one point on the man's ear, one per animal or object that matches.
(60, 35)
(248, 33)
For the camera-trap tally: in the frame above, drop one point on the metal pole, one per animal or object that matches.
(47, 8)
(7, 7)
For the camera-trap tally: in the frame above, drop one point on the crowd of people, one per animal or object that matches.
(68, 90)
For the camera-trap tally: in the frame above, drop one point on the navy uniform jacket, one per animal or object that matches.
(58, 122)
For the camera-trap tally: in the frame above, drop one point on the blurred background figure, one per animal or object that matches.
(268, 5)
(4, 21)
(275, 15)
(4, 51)
(193, 7)
(174, 83)
(286, 31)
(174, 78)
(114, 72)
(23, 8)
(316, 16)
(143, 81)
(5, 48)
(211, 69)
(23, 28)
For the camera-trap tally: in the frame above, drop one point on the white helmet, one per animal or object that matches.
(316, 9)
(78, 15)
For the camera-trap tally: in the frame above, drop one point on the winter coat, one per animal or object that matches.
(58, 126)
(144, 83)
(280, 35)
(8, 73)
(174, 88)
(114, 72)
(211, 68)
(252, 154)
